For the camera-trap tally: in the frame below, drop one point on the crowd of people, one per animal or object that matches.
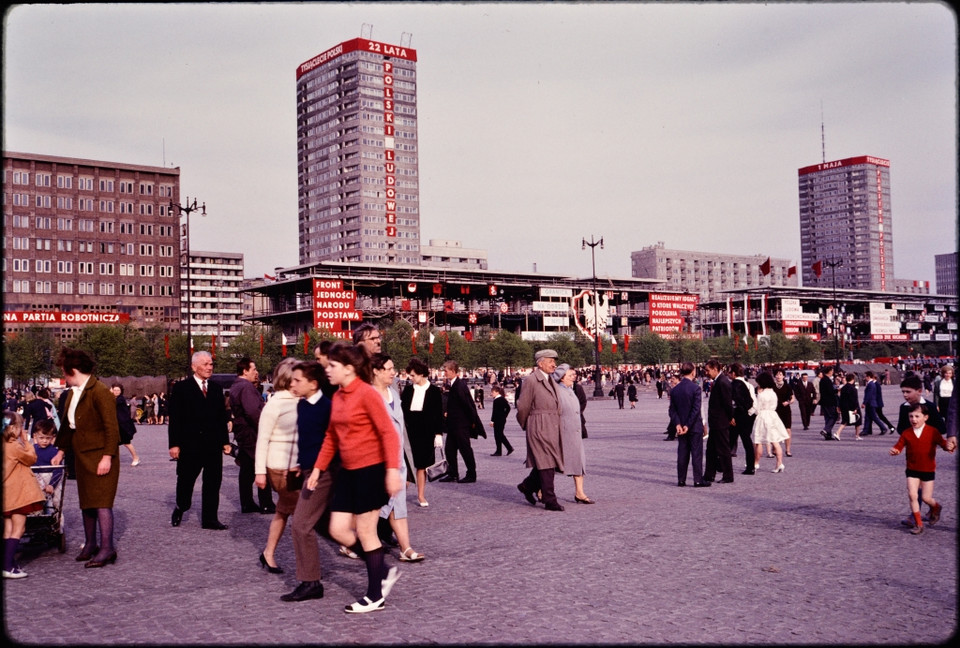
(330, 449)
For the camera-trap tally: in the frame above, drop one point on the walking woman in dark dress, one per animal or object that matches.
(90, 428)
(422, 404)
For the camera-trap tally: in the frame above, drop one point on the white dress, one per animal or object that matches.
(767, 428)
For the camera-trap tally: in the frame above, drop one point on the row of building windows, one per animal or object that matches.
(46, 266)
(86, 183)
(87, 288)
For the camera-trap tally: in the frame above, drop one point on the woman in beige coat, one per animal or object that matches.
(90, 428)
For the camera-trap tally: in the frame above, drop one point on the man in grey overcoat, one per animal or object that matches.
(538, 412)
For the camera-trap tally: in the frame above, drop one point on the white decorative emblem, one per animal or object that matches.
(591, 321)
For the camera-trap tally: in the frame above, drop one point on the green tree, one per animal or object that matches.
(805, 348)
(509, 351)
(29, 356)
(108, 346)
(649, 348)
(397, 343)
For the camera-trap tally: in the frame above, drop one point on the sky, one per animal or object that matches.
(539, 124)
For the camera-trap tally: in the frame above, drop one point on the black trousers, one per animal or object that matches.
(742, 430)
(690, 448)
(718, 455)
(501, 438)
(459, 441)
(805, 412)
(246, 479)
(189, 467)
(541, 480)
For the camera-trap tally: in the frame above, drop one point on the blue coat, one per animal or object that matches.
(685, 401)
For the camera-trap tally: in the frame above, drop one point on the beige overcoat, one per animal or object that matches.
(538, 412)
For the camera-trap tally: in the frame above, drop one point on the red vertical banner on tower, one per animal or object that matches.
(390, 167)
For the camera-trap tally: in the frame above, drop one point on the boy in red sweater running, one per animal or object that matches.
(921, 441)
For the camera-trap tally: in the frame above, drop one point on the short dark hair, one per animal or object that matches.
(361, 332)
(379, 360)
(765, 380)
(348, 354)
(451, 365)
(418, 366)
(912, 381)
(870, 374)
(311, 370)
(118, 386)
(736, 369)
(714, 364)
(44, 426)
(71, 360)
(827, 369)
(243, 364)
(851, 377)
(686, 369)
(496, 389)
(919, 406)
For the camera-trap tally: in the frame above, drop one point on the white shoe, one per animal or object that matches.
(16, 572)
(135, 463)
(363, 606)
(778, 469)
(423, 504)
(387, 583)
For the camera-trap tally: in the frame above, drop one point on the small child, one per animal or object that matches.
(921, 441)
(21, 494)
(44, 433)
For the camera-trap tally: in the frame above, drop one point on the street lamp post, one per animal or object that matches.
(186, 210)
(597, 389)
(833, 264)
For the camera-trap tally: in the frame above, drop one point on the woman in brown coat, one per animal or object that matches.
(90, 428)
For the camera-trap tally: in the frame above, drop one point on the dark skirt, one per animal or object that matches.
(421, 441)
(361, 490)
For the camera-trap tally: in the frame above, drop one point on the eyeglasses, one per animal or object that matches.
(374, 337)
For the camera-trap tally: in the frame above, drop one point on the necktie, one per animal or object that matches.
(204, 387)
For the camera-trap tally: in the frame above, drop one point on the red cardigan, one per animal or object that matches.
(360, 429)
(921, 452)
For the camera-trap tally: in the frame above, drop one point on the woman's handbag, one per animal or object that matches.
(438, 469)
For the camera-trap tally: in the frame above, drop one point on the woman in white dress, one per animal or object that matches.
(768, 428)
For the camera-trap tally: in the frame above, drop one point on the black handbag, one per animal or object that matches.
(439, 468)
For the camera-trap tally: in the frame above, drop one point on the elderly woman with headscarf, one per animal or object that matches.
(571, 431)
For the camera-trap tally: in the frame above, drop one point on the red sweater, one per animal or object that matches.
(921, 452)
(360, 429)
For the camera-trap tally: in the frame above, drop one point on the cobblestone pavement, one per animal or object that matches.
(815, 555)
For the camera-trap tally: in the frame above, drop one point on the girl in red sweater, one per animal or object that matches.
(921, 441)
(361, 431)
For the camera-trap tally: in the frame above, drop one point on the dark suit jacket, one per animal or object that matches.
(245, 405)
(828, 393)
(720, 406)
(462, 411)
(685, 401)
(501, 408)
(934, 420)
(197, 423)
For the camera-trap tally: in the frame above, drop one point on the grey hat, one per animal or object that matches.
(561, 371)
(544, 353)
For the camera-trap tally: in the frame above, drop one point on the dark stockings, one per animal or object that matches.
(92, 518)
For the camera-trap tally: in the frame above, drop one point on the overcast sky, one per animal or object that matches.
(539, 124)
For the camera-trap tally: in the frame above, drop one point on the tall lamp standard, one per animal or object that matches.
(833, 265)
(597, 389)
(186, 210)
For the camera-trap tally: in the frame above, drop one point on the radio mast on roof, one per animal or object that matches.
(823, 141)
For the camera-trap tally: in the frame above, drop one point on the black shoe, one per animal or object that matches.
(823, 433)
(271, 509)
(469, 479)
(707, 480)
(527, 494)
(249, 508)
(266, 565)
(553, 507)
(726, 481)
(671, 438)
(176, 517)
(305, 591)
(509, 452)
(703, 484)
(216, 525)
(448, 478)
(497, 454)
(681, 483)
(95, 563)
(748, 472)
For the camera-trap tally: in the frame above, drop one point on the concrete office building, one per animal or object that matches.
(89, 242)
(451, 254)
(945, 266)
(210, 295)
(846, 217)
(708, 274)
(359, 196)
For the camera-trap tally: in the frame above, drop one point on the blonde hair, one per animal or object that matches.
(12, 425)
(283, 374)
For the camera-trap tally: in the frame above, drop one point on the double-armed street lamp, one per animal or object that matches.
(833, 264)
(186, 210)
(597, 388)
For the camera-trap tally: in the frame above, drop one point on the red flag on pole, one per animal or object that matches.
(166, 346)
(599, 343)
(613, 344)
(626, 342)
(446, 337)
(283, 345)
(818, 268)
(765, 267)
(213, 346)
(261, 344)
(792, 270)
(306, 343)
(413, 342)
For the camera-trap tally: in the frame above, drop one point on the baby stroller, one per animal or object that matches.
(45, 527)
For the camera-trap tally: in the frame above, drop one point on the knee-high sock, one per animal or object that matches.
(376, 570)
(10, 546)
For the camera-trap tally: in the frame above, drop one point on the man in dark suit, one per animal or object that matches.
(501, 408)
(198, 440)
(829, 405)
(246, 405)
(719, 420)
(744, 414)
(806, 395)
(687, 422)
(463, 422)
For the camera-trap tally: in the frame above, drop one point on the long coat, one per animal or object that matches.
(538, 412)
(246, 405)
(19, 485)
(97, 434)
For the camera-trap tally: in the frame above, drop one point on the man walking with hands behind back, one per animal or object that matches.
(246, 405)
(538, 412)
(687, 422)
(198, 440)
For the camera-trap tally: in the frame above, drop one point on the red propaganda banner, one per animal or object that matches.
(667, 312)
(60, 317)
(332, 305)
(362, 44)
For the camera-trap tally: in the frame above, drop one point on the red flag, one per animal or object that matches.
(166, 346)
(270, 277)
(283, 345)
(261, 344)
(818, 268)
(448, 306)
(213, 346)
(191, 345)
(613, 344)
(437, 288)
(464, 290)
(765, 267)
(599, 343)
(792, 270)
(306, 343)
(446, 337)
(413, 342)
(626, 342)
